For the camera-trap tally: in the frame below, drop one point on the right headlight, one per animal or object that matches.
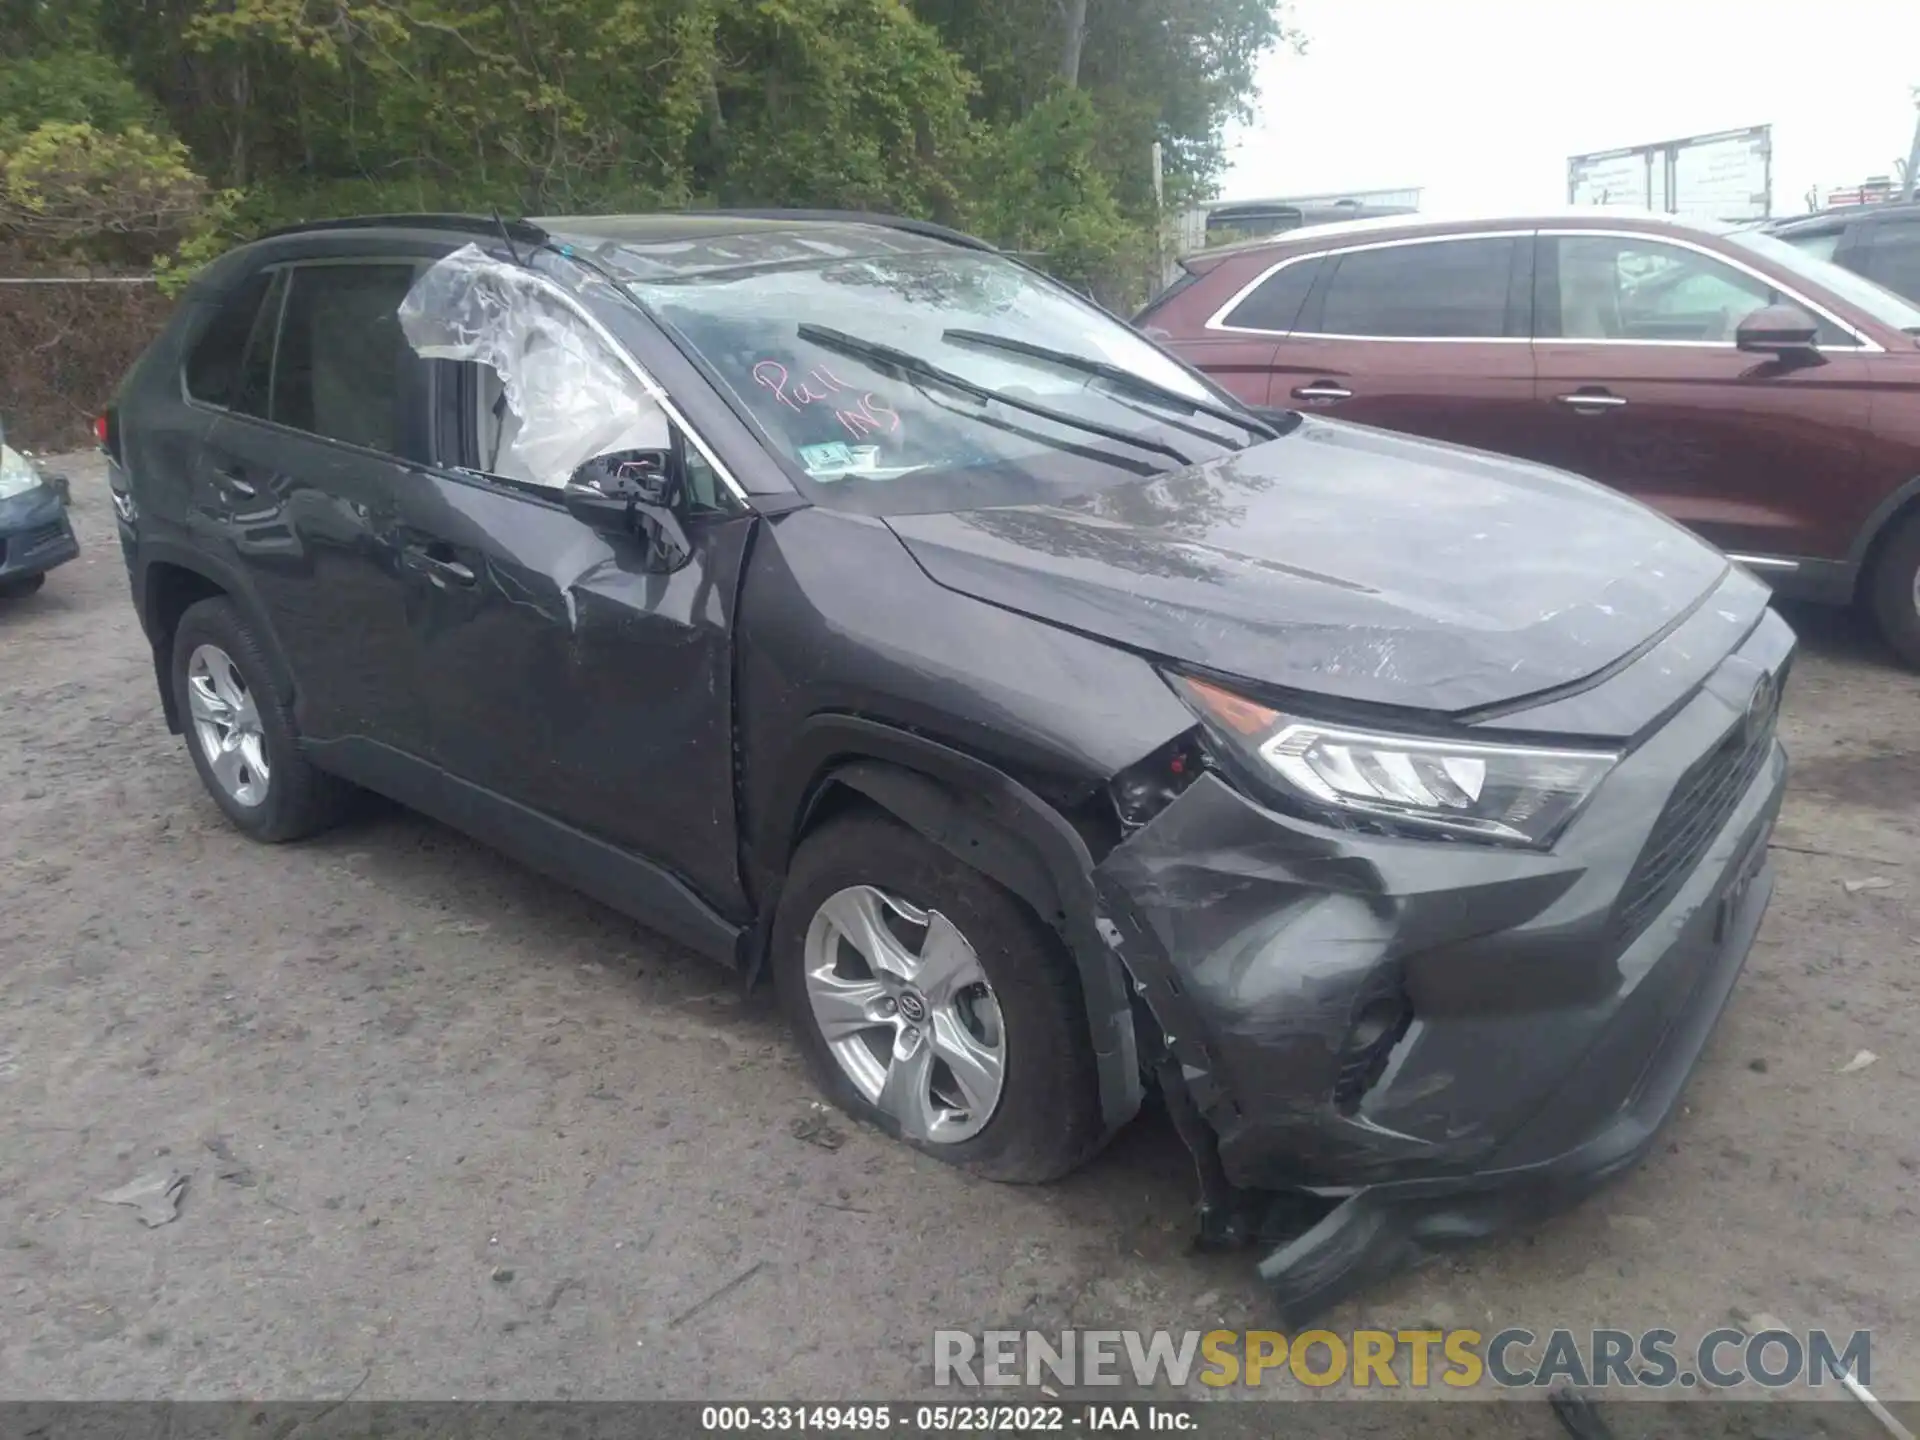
(17, 475)
(1416, 784)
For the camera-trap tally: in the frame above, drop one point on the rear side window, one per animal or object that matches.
(256, 369)
(1275, 303)
(343, 368)
(215, 362)
(1895, 258)
(1184, 281)
(1439, 290)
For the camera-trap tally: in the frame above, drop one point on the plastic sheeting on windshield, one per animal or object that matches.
(573, 399)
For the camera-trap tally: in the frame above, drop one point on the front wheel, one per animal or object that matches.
(933, 1004)
(23, 587)
(1893, 589)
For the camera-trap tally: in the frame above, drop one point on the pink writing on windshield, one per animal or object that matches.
(864, 417)
(867, 417)
(775, 377)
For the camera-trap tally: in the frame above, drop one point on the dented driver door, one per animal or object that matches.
(579, 689)
(564, 677)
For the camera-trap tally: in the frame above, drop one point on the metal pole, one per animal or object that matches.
(1913, 155)
(1160, 212)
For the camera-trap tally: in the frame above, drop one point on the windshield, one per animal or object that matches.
(1882, 304)
(920, 379)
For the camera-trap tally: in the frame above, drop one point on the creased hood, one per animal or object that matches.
(1344, 562)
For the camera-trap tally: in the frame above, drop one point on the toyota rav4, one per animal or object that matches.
(853, 604)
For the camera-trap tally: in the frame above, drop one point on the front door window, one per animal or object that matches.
(1632, 287)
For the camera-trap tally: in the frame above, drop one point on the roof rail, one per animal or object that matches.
(858, 217)
(1847, 211)
(469, 224)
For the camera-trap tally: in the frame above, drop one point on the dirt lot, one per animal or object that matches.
(456, 1131)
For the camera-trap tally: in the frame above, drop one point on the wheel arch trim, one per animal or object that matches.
(992, 822)
(1890, 508)
(232, 584)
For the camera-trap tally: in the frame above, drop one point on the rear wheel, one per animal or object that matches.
(240, 733)
(933, 1004)
(1893, 589)
(23, 587)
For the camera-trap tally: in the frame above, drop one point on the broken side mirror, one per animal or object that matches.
(634, 493)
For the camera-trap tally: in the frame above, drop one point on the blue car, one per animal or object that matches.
(35, 534)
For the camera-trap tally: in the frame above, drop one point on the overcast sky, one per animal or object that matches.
(1482, 101)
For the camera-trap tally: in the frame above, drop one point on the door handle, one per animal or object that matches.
(1592, 400)
(233, 478)
(1323, 390)
(436, 562)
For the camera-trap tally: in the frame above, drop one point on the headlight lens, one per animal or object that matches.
(17, 476)
(1506, 794)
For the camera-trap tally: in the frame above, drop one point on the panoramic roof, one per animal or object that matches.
(675, 247)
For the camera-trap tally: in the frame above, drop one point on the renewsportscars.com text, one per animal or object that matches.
(1416, 1359)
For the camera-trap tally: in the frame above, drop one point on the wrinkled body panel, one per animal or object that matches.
(1345, 563)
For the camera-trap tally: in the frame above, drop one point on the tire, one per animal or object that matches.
(20, 589)
(1893, 589)
(292, 799)
(1046, 1120)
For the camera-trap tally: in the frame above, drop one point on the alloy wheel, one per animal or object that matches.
(226, 725)
(907, 1013)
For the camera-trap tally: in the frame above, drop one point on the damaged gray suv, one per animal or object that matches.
(860, 608)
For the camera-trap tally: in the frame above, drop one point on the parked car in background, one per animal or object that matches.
(853, 603)
(1881, 242)
(1259, 218)
(35, 533)
(1764, 397)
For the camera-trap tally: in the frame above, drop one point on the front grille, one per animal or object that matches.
(1695, 813)
(40, 538)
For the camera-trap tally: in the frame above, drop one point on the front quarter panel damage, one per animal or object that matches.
(1259, 945)
(951, 713)
(1532, 1024)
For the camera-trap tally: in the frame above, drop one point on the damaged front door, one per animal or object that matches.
(567, 670)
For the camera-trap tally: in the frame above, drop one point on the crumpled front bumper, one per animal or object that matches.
(35, 534)
(1443, 1039)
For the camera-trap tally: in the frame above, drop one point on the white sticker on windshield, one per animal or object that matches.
(837, 460)
(822, 460)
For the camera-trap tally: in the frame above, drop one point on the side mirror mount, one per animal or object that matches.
(635, 493)
(1784, 331)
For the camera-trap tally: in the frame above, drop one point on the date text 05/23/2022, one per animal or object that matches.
(947, 1419)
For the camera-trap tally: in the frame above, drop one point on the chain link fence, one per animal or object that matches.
(65, 341)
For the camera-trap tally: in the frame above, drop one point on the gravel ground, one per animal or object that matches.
(453, 1130)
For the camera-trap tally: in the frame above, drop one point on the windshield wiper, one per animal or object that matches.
(1114, 374)
(886, 357)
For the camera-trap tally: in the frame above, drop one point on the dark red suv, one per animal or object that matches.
(1762, 396)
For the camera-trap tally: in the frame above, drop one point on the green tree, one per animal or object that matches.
(1043, 192)
(1175, 71)
(123, 196)
(1030, 119)
(80, 87)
